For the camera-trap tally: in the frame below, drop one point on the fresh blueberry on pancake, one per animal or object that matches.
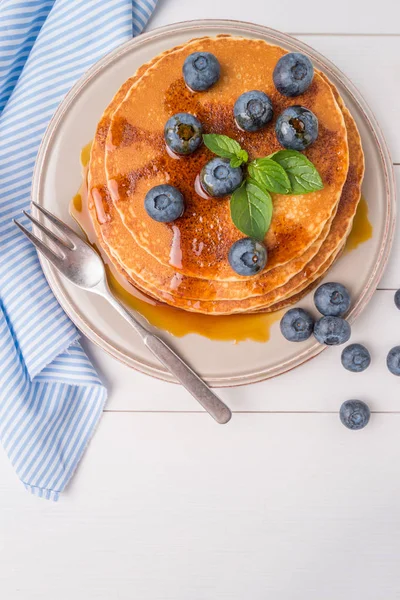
(332, 299)
(393, 360)
(253, 110)
(354, 414)
(219, 179)
(296, 128)
(332, 331)
(356, 358)
(183, 133)
(297, 325)
(247, 256)
(293, 74)
(164, 203)
(201, 70)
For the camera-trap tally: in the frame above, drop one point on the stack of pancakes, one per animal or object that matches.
(185, 263)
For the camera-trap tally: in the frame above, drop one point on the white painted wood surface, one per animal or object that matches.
(283, 503)
(174, 507)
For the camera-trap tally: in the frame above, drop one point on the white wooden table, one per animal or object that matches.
(284, 503)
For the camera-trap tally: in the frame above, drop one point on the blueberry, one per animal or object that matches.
(354, 414)
(183, 133)
(393, 360)
(397, 299)
(297, 325)
(201, 70)
(332, 299)
(218, 178)
(356, 358)
(296, 128)
(247, 256)
(253, 110)
(164, 203)
(293, 74)
(332, 331)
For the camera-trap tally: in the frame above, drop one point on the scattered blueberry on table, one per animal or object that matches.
(297, 325)
(201, 70)
(296, 128)
(397, 299)
(253, 110)
(183, 133)
(247, 256)
(164, 203)
(393, 360)
(293, 74)
(332, 299)
(218, 178)
(356, 358)
(332, 331)
(354, 414)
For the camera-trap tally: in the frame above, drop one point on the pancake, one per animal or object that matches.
(136, 263)
(330, 249)
(136, 159)
(276, 288)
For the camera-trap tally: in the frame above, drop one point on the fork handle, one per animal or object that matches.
(189, 379)
(183, 373)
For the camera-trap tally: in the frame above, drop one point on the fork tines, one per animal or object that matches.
(66, 242)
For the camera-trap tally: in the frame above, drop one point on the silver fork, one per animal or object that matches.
(81, 264)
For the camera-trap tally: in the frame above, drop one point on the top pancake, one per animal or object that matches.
(286, 294)
(141, 266)
(197, 244)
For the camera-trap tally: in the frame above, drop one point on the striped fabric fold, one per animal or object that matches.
(50, 396)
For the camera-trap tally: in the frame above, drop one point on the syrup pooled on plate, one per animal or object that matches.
(362, 229)
(235, 328)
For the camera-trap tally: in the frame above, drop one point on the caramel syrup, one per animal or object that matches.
(362, 228)
(234, 328)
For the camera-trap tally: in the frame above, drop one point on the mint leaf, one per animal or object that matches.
(243, 155)
(304, 177)
(270, 175)
(226, 147)
(251, 209)
(239, 159)
(222, 145)
(235, 162)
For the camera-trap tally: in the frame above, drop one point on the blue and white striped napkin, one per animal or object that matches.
(50, 396)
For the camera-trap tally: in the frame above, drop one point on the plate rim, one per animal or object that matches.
(387, 165)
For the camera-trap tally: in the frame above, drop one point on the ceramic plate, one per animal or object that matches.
(57, 178)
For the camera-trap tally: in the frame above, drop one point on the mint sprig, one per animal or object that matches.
(284, 172)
